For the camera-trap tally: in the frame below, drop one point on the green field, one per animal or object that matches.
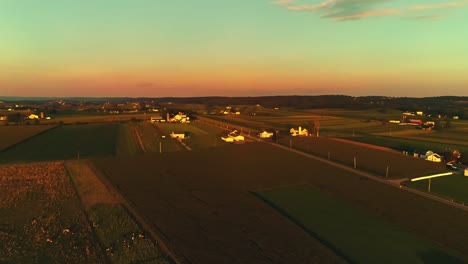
(451, 187)
(367, 126)
(354, 234)
(200, 135)
(11, 135)
(126, 144)
(65, 142)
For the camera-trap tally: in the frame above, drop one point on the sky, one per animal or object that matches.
(185, 48)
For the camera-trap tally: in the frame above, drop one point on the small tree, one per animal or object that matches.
(315, 127)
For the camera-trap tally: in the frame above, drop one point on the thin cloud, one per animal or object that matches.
(426, 17)
(367, 14)
(283, 2)
(328, 3)
(343, 10)
(438, 6)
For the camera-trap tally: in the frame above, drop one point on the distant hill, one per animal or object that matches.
(448, 105)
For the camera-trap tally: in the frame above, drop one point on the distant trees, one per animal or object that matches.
(16, 118)
(314, 126)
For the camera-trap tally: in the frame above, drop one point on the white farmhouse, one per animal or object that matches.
(227, 139)
(434, 157)
(265, 134)
(299, 132)
(33, 116)
(236, 136)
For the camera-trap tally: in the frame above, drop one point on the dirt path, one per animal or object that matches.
(138, 137)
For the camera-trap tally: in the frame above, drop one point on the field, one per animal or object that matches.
(202, 196)
(366, 126)
(200, 136)
(65, 142)
(370, 159)
(349, 231)
(118, 232)
(202, 202)
(11, 135)
(41, 219)
(452, 187)
(95, 118)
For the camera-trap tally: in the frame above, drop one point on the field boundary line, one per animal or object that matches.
(183, 144)
(140, 143)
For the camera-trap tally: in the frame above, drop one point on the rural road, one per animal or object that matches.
(368, 175)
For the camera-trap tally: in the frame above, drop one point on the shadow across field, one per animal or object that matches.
(201, 201)
(352, 233)
(65, 142)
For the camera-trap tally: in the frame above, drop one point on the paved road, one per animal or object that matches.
(392, 183)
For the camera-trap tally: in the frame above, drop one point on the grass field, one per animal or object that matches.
(118, 232)
(363, 126)
(350, 231)
(126, 144)
(200, 135)
(371, 159)
(204, 198)
(11, 135)
(95, 118)
(41, 218)
(451, 187)
(64, 142)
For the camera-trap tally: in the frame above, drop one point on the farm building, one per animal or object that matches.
(3, 118)
(299, 132)
(178, 118)
(236, 136)
(177, 135)
(157, 118)
(265, 134)
(227, 139)
(33, 116)
(434, 157)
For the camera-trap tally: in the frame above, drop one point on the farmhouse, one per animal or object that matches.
(299, 132)
(434, 157)
(3, 118)
(178, 118)
(236, 136)
(177, 135)
(33, 116)
(265, 134)
(227, 139)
